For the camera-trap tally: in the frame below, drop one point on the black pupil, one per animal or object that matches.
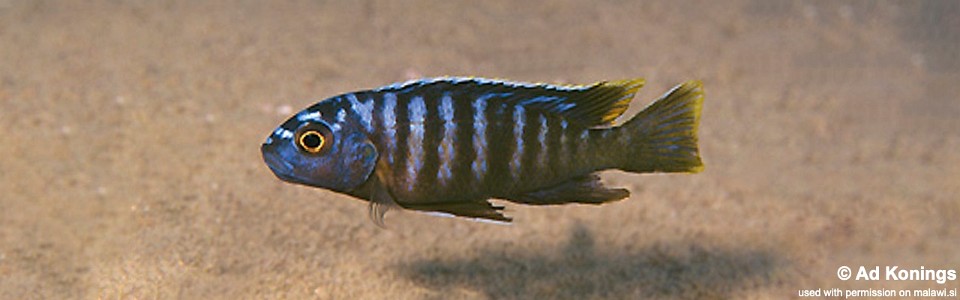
(312, 140)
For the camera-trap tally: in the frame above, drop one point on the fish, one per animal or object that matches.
(448, 145)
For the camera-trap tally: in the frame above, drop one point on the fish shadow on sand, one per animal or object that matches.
(582, 271)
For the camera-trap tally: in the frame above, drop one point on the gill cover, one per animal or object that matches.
(357, 159)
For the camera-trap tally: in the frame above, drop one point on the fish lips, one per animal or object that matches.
(280, 167)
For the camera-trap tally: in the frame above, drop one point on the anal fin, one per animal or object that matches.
(582, 189)
(481, 210)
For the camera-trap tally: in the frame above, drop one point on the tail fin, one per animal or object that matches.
(664, 135)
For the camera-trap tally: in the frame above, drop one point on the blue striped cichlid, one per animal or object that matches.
(447, 145)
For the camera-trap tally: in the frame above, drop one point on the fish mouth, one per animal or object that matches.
(280, 167)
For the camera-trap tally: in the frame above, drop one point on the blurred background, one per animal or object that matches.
(130, 134)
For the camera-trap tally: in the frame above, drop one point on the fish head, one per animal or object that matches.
(321, 147)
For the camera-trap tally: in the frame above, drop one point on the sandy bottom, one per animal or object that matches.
(130, 134)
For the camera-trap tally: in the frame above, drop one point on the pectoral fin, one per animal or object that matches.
(380, 203)
(381, 200)
(583, 189)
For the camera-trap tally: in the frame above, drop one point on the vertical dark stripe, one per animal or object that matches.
(463, 114)
(568, 140)
(554, 160)
(499, 135)
(531, 147)
(433, 134)
(587, 149)
(402, 151)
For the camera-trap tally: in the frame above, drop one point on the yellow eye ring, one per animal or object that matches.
(311, 141)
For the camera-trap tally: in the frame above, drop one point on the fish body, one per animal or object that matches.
(448, 145)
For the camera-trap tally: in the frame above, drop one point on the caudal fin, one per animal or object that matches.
(663, 137)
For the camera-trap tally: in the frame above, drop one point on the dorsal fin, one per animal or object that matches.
(593, 105)
(596, 104)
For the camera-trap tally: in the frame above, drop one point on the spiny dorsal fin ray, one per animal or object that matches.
(596, 104)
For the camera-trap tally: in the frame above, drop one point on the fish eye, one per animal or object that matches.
(314, 138)
(311, 141)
